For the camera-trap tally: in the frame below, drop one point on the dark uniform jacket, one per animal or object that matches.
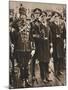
(60, 42)
(57, 41)
(20, 37)
(37, 34)
(23, 43)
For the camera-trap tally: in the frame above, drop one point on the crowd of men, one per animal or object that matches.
(39, 37)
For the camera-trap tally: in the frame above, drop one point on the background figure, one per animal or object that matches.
(60, 45)
(53, 30)
(11, 46)
(58, 52)
(63, 36)
(12, 52)
(45, 49)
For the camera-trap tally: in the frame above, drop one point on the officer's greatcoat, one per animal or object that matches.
(40, 35)
(59, 42)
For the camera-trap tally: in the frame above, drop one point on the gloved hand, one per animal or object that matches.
(32, 53)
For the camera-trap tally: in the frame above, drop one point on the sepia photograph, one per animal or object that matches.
(37, 44)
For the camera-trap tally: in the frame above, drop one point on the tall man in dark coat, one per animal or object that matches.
(57, 42)
(53, 30)
(63, 35)
(46, 42)
(60, 37)
(37, 35)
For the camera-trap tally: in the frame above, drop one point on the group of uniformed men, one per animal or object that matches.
(33, 39)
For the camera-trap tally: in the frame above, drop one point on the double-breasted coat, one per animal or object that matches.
(58, 44)
(41, 36)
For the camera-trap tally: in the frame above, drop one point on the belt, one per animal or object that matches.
(35, 35)
(58, 36)
(46, 38)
